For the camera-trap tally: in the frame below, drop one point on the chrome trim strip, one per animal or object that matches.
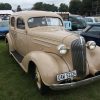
(74, 84)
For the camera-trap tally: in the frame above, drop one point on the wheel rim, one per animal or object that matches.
(38, 79)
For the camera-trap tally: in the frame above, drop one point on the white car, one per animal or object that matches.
(92, 20)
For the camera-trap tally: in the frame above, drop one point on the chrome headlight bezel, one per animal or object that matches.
(91, 45)
(62, 49)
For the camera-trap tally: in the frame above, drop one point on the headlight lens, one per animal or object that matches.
(62, 49)
(91, 45)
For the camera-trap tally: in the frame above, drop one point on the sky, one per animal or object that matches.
(29, 3)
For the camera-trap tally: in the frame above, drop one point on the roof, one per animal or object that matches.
(6, 12)
(34, 13)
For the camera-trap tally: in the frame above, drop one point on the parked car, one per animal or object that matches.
(56, 58)
(78, 22)
(92, 20)
(92, 33)
(4, 27)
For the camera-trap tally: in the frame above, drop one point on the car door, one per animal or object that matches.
(93, 34)
(21, 40)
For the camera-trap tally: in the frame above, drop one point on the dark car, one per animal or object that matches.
(78, 22)
(4, 27)
(92, 33)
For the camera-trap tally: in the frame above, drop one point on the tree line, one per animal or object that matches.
(82, 7)
(5, 6)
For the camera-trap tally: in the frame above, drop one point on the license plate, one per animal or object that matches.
(67, 76)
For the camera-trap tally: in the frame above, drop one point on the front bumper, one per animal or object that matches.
(74, 84)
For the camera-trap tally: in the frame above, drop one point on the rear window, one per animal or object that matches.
(12, 21)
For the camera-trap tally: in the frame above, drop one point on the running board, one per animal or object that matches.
(17, 56)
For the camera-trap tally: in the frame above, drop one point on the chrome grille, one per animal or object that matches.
(78, 50)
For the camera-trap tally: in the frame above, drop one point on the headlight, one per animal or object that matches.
(91, 45)
(62, 49)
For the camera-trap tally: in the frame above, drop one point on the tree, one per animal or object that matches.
(75, 6)
(19, 8)
(86, 7)
(48, 7)
(63, 7)
(44, 6)
(38, 6)
(5, 6)
(90, 7)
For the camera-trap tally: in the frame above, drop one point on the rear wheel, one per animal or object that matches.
(40, 85)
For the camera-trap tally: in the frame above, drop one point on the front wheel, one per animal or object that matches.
(41, 86)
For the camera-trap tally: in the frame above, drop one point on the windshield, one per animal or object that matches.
(44, 21)
(4, 23)
(81, 21)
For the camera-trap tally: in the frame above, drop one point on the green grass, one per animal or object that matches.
(17, 85)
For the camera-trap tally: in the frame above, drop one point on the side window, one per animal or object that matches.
(12, 21)
(20, 23)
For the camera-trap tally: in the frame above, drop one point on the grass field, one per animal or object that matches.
(16, 85)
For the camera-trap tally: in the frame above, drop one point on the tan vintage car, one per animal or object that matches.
(56, 58)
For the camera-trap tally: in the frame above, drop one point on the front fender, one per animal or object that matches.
(93, 58)
(49, 65)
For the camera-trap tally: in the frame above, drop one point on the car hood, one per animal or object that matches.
(54, 35)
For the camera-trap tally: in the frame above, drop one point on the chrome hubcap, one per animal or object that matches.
(38, 79)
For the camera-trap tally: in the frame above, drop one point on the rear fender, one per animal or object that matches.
(9, 41)
(93, 58)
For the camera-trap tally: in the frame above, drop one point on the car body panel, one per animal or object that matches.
(93, 35)
(9, 40)
(92, 20)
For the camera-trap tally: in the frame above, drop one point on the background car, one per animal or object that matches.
(92, 20)
(92, 32)
(78, 22)
(4, 27)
